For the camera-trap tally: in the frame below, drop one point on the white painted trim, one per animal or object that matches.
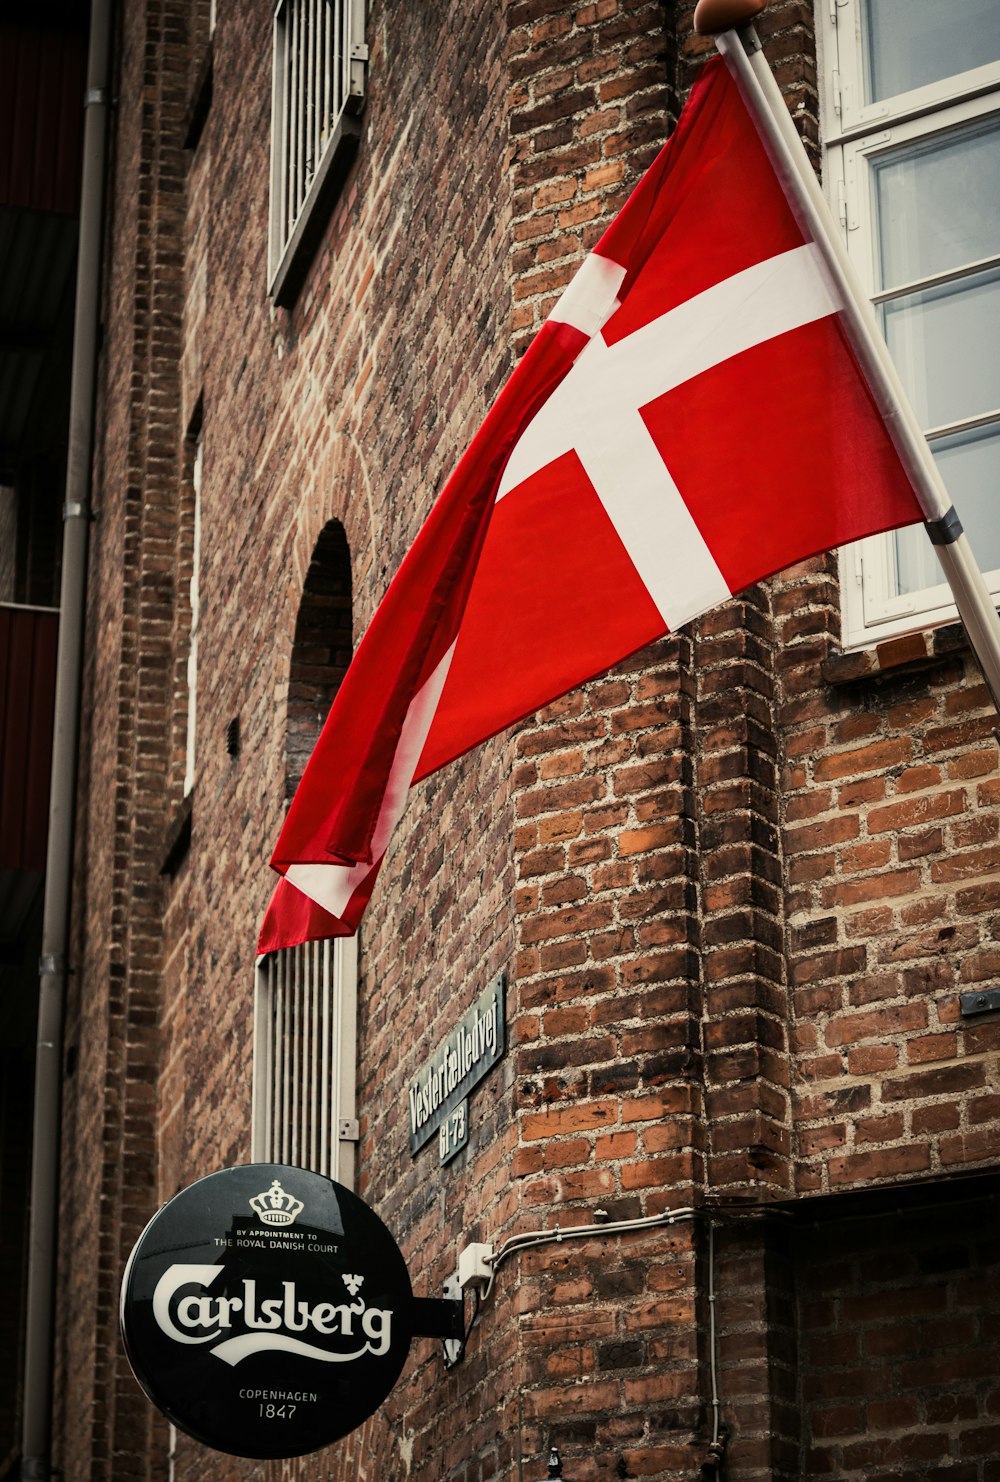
(190, 755)
(870, 612)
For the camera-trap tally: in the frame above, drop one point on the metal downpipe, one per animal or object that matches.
(38, 1370)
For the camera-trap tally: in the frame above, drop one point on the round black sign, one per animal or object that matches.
(266, 1310)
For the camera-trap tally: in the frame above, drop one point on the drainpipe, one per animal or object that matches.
(52, 969)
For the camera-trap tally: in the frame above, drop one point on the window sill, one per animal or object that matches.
(199, 101)
(907, 654)
(297, 257)
(177, 840)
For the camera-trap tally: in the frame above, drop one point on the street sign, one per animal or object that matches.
(465, 1055)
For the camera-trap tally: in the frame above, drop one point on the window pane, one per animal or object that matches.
(937, 204)
(909, 43)
(970, 466)
(916, 564)
(944, 342)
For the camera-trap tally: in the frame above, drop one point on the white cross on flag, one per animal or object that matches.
(689, 420)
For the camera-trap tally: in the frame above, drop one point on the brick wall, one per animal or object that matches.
(109, 1179)
(736, 883)
(891, 836)
(898, 1342)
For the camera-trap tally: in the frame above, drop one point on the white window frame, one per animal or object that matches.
(304, 1097)
(855, 136)
(190, 771)
(319, 73)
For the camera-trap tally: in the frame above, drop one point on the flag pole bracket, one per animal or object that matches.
(438, 1317)
(749, 38)
(979, 1001)
(946, 529)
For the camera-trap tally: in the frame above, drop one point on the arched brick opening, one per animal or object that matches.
(321, 651)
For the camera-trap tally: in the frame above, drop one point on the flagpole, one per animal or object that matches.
(730, 22)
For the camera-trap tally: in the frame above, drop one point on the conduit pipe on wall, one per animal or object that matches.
(556, 1236)
(531, 1238)
(52, 969)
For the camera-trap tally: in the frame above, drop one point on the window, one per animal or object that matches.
(192, 658)
(305, 999)
(317, 92)
(321, 651)
(912, 167)
(305, 1014)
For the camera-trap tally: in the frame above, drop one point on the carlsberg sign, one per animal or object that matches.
(237, 1327)
(267, 1311)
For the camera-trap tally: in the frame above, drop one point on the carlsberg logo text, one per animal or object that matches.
(237, 1326)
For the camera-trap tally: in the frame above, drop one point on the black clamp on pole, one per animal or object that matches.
(946, 529)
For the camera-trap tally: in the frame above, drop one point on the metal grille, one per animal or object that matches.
(318, 74)
(304, 1054)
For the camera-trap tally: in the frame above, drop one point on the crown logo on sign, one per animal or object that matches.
(275, 1207)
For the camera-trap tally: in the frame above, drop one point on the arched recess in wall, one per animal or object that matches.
(305, 997)
(321, 650)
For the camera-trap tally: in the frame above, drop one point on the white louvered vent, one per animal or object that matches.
(318, 86)
(305, 1007)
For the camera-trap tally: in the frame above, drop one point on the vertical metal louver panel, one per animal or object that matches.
(304, 1047)
(318, 75)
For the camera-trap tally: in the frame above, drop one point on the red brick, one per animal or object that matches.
(947, 1080)
(883, 1164)
(876, 1024)
(874, 758)
(915, 811)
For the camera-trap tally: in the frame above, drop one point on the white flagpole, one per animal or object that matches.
(730, 21)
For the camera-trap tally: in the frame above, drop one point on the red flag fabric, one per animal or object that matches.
(689, 420)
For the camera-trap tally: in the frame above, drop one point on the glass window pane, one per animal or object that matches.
(970, 466)
(917, 566)
(944, 342)
(910, 43)
(937, 203)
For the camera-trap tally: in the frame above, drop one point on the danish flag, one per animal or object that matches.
(689, 419)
